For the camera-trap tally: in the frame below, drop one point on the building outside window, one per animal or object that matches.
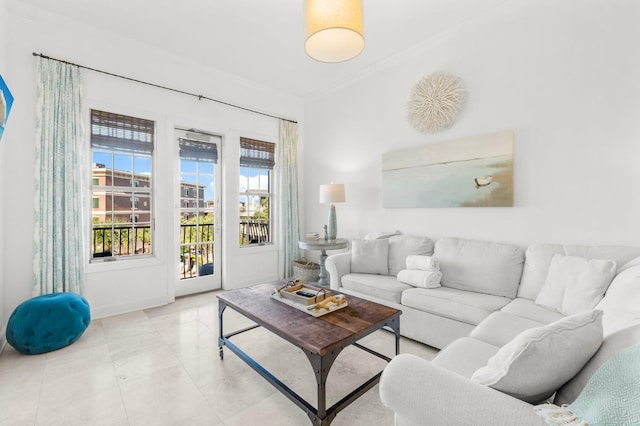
(122, 183)
(198, 159)
(257, 159)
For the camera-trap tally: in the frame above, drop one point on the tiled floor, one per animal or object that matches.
(161, 367)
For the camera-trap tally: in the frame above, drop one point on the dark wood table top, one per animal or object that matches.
(317, 335)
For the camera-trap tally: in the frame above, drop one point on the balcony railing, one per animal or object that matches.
(120, 240)
(254, 232)
(196, 254)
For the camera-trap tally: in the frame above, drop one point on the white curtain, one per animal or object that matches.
(61, 182)
(289, 213)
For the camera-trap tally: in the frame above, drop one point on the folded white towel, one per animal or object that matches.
(417, 278)
(423, 263)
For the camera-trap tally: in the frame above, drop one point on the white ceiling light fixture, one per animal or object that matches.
(335, 29)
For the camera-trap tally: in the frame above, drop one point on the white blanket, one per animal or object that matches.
(417, 278)
(423, 263)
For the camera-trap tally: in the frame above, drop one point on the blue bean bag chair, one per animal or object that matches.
(48, 322)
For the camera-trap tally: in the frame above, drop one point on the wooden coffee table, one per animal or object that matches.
(321, 339)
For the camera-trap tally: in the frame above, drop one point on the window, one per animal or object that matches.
(122, 181)
(198, 159)
(257, 159)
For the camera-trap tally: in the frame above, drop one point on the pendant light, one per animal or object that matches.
(335, 29)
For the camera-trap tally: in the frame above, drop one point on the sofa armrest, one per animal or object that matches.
(338, 265)
(417, 391)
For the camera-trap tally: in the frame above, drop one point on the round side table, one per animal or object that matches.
(323, 246)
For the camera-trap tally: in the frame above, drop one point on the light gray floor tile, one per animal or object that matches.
(161, 366)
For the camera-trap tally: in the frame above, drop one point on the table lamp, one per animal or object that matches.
(332, 193)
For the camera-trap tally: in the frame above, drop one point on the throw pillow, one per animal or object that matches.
(621, 303)
(611, 346)
(370, 256)
(575, 284)
(630, 264)
(538, 361)
(612, 395)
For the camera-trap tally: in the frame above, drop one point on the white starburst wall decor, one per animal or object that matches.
(435, 102)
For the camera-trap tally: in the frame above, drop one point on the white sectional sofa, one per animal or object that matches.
(425, 393)
(493, 295)
(479, 278)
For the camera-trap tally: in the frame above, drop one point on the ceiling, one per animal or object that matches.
(262, 40)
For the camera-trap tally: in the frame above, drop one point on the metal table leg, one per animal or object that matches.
(221, 308)
(321, 364)
(394, 325)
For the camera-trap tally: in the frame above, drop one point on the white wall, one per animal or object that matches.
(127, 285)
(563, 74)
(4, 70)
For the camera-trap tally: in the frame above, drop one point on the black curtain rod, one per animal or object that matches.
(200, 97)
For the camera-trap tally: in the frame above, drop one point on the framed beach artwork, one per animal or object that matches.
(471, 172)
(6, 101)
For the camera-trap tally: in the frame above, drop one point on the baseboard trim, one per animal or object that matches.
(123, 308)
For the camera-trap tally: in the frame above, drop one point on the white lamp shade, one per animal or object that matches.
(335, 29)
(332, 193)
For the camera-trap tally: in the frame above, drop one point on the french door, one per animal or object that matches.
(199, 242)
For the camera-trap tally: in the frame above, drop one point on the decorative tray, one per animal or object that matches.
(314, 301)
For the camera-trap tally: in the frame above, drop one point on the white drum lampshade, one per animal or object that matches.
(335, 29)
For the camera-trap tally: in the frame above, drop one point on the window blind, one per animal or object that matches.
(121, 132)
(194, 150)
(254, 153)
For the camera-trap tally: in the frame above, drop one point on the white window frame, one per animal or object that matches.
(134, 191)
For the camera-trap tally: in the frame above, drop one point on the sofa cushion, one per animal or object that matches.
(630, 264)
(465, 355)
(621, 303)
(528, 309)
(612, 345)
(384, 287)
(538, 361)
(575, 284)
(401, 246)
(500, 328)
(370, 256)
(538, 258)
(480, 266)
(451, 303)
